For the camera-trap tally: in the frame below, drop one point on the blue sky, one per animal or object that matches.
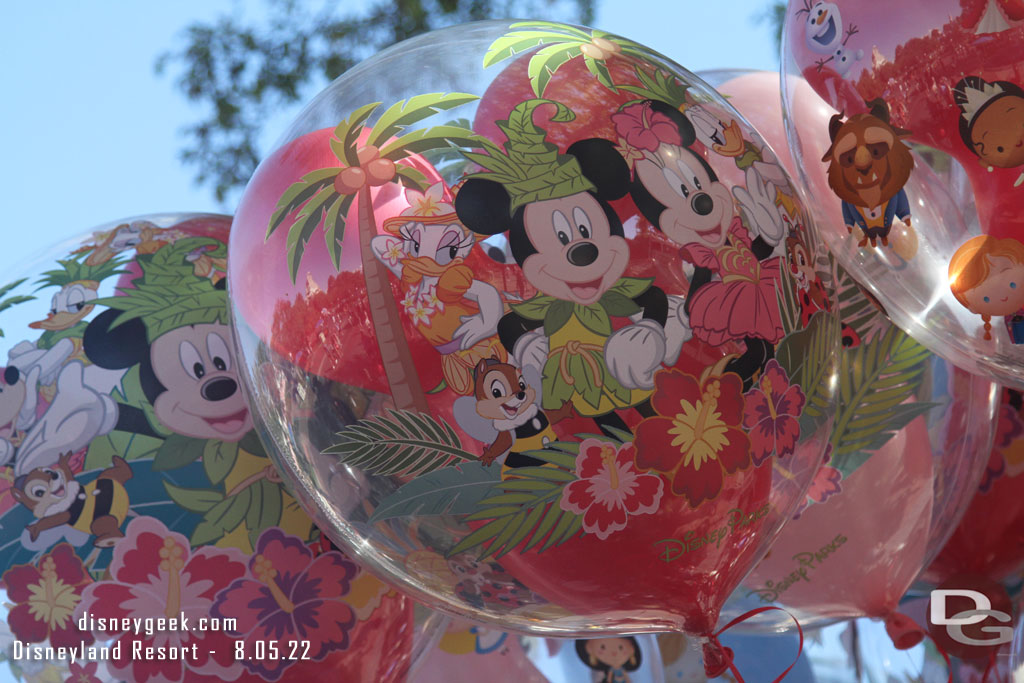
(90, 134)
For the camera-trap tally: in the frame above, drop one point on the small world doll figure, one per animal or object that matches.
(986, 275)
(611, 657)
(992, 121)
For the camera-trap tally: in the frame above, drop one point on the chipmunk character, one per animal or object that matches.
(511, 417)
(57, 499)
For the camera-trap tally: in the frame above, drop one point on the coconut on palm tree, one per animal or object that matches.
(369, 157)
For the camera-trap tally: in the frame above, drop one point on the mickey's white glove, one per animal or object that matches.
(677, 330)
(633, 353)
(6, 451)
(531, 351)
(770, 169)
(476, 328)
(77, 415)
(757, 204)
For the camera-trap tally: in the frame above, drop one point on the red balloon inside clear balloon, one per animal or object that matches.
(612, 423)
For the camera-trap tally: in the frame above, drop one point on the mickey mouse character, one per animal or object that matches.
(503, 411)
(57, 499)
(570, 245)
(187, 369)
(680, 194)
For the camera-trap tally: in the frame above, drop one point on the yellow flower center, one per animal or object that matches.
(51, 600)
(265, 574)
(172, 562)
(608, 456)
(698, 430)
(766, 384)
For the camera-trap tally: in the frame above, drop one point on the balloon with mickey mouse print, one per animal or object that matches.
(510, 304)
(134, 489)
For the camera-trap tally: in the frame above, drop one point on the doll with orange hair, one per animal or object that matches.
(986, 275)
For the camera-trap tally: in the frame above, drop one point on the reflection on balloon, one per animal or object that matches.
(927, 81)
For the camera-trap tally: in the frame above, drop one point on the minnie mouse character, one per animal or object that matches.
(680, 194)
(595, 337)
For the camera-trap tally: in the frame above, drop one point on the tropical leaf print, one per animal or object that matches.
(875, 382)
(525, 507)
(406, 443)
(450, 490)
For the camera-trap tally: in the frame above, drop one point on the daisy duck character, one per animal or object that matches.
(426, 246)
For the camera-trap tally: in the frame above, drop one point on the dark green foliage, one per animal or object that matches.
(243, 71)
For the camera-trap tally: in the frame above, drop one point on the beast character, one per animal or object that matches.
(868, 166)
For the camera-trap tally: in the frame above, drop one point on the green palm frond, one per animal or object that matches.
(314, 200)
(406, 443)
(12, 300)
(524, 509)
(657, 85)
(809, 358)
(856, 308)
(876, 380)
(559, 44)
(74, 269)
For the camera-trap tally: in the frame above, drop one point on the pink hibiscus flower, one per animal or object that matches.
(609, 488)
(826, 483)
(288, 594)
(156, 574)
(644, 128)
(771, 413)
(45, 597)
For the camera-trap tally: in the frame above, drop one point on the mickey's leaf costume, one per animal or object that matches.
(531, 169)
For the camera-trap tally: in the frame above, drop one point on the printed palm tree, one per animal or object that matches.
(561, 44)
(326, 195)
(12, 300)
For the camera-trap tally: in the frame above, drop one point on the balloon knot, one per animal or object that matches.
(717, 658)
(904, 633)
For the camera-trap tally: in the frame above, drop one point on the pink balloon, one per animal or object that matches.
(839, 555)
(469, 653)
(879, 512)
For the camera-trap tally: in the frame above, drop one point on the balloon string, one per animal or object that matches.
(747, 615)
(949, 664)
(991, 665)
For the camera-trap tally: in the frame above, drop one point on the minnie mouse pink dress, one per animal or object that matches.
(742, 303)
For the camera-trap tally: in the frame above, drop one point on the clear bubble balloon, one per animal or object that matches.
(512, 310)
(910, 442)
(945, 77)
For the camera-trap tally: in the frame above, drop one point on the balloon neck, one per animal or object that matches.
(904, 633)
(717, 659)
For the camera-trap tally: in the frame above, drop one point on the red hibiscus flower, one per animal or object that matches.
(827, 483)
(772, 414)
(288, 594)
(45, 597)
(609, 488)
(696, 439)
(83, 673)
(644, 128)
(157, 575)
